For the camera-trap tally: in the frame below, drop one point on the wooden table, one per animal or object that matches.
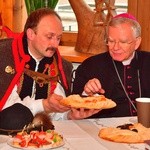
(83, 134)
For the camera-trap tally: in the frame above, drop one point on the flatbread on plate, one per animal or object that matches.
(136, 133)
(91, 102)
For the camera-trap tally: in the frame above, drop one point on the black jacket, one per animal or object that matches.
(101, 67)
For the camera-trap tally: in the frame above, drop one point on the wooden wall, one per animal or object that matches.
(19, 15)
(6, 8)
(141, 10)
(14, 15)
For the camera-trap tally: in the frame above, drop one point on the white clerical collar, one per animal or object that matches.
(128, 61)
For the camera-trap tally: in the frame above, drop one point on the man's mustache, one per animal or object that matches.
(51, 49)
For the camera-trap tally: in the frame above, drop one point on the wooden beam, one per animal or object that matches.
(141, 11)
(133, 7)
(19, 15)
(6, 10)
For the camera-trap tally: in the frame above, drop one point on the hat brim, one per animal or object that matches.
(14, 118)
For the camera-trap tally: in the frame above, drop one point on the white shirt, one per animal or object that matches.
(35, 105)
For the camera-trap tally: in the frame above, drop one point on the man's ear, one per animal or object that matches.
(138, 42)
(30, 33)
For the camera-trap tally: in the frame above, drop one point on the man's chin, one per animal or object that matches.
(49, 54)
(117, 58)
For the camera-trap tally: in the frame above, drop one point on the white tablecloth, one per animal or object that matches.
(83, 135)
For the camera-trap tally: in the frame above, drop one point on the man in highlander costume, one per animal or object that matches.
(33, 75)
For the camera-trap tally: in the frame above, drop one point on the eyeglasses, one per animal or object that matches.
(121, 44)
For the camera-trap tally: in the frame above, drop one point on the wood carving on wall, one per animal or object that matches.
(91, 24)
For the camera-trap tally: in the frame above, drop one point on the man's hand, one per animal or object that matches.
(81, 113)
(51, 104)
(93, 86)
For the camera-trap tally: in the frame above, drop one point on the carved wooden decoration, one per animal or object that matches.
(91, 24)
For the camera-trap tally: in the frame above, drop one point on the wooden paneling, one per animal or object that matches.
(19, 15)
(14, 16)
(132, 7)
(6, 10)
(144, 19)
(140, 9)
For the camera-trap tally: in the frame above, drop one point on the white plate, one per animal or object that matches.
(4, 138)
(10, 142)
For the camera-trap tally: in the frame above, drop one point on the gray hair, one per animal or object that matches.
(134, 24)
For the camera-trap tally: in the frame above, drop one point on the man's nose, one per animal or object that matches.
(116, 45)
(54, 42)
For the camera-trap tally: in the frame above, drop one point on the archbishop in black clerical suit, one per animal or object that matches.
(135, 78)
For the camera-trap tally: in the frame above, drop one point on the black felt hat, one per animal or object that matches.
(15, 117)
